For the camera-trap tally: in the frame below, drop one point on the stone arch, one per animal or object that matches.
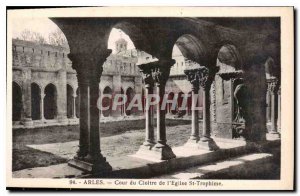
(229, 57)
(106, 102)
(130, 94)
(50, 101)
(191, 48)
(35, 101)
(135, 33)
(70, 94)
(270, 68)
(17, 103)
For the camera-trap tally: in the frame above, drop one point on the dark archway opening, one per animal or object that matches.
(70, 100)
(35, 101)
(17, 102)
(106, 101)
(50, 102)
(130, 94)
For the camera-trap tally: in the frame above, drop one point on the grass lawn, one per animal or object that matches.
(117, 139)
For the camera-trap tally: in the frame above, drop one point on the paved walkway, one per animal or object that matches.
(134, 164)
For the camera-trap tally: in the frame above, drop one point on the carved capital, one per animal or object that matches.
(206, 77)
(89, 66)
(193, 77)
(161, 71)
(272, 84)
(146, 70)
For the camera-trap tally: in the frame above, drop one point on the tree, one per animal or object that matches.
(57, 38)
(28, 35)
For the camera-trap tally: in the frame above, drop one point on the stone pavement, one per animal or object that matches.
(221, 168)
(134, 166)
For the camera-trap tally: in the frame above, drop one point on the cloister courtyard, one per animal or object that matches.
(115, 139)
(32, 148)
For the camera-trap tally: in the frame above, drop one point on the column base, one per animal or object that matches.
(275, 134)
(145, 149)
(99, 166)
(28, 123)
(192, 142)
(162, 152)
(207, 144)
(63, 120)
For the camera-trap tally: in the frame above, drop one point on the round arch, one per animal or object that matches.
(191, 48)
(106, 101)
(17, 103)
(50, 101)
(134, 32)
(129, 94)
(35, 101)
(229, 56)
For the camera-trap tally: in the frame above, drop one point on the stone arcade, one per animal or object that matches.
(235, 61)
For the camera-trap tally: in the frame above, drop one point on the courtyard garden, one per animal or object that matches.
(118, 138)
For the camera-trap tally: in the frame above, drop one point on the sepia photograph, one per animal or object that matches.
(150, 98)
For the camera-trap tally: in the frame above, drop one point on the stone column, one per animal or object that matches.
(62, 97)
(206, 78)
(27, 119)
(273, 87)
(149, 132)
(160, 74)
(268, 107)
(83, 116)
(74, 106)
(42, 105)
(279, 111)
(89, 70)
(193, 77)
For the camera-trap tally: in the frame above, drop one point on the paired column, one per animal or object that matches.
(193, 77)
(206, 78)
(89, 70)
(160, 74)
(149, 142)
(203, 77)
(156, 74)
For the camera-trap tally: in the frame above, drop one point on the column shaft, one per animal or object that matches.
(84, 120)
(74, 107)
(195, 116)
(279, 112)
(273, 110)
(149, 140)
(42, 106)
(161, 116)
(94, 148)
(268, 107)
(206, 116)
